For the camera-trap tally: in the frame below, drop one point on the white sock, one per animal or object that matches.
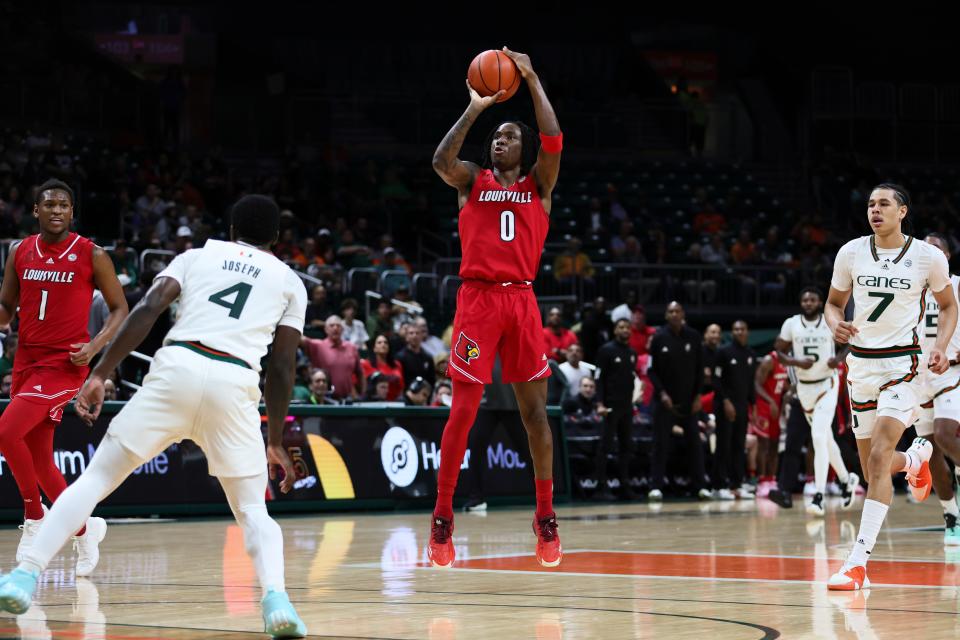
(870, 522)
(950, 506)
(261, 534)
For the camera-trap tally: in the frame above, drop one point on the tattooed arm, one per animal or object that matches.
(455, 172)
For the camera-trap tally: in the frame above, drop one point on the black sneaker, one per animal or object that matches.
(815, 508)
(780, 498)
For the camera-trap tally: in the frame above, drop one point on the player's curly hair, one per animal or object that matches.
(256, 219)
(55, 185)
(529, 147)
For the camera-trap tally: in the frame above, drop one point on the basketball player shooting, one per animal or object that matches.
(504, 218)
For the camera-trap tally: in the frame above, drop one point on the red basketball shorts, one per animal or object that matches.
(764, 426)
(48, 381)
(494, 319)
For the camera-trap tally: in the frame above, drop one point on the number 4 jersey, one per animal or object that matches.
(502, 230)
(890, 289)
(233, 296)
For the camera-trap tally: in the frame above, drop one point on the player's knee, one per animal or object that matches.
(879, 459)
(535, 419)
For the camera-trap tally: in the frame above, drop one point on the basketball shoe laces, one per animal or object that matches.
(440, 531)
(548, 528)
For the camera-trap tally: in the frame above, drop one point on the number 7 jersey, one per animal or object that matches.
(233, 297)
(502, 230)
(890, 288)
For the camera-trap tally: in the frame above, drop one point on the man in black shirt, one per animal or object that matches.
(676, 371)
(736, 366)
(414, 360)
(616, 363)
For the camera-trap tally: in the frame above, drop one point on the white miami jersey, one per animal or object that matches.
(232, 298)
(929, 327)
(812, 340)
(890, 288)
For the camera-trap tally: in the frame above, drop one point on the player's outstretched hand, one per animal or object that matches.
(481, 102)
(277, 457)
(84, 355)
(938, 362)
(844, 331)
(90, 400)
(522, 61)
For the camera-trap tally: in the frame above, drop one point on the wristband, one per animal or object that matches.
(552, 144)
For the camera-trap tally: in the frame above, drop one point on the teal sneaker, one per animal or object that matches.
(16, 591)
(280, 619)
(951, 531)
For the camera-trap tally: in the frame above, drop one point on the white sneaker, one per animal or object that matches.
(87, 546)
(815, 506)
(30, 529)
(809, 489)
(705, 494)
(850, 489)
(725, 494)
(849, 578)
(746, 492)
(655, 495)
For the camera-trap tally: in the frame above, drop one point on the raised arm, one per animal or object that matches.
(547, 168)
(458, 173)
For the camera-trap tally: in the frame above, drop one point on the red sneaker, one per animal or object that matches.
(440, 550)
(549, 551)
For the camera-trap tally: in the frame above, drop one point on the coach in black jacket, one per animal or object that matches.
(676, 371)
(736, 365)
(616, 363)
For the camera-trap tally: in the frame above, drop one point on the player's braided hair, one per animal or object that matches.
(902, 196)
(529, 146)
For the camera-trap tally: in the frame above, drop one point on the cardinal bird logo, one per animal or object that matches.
(466, 348)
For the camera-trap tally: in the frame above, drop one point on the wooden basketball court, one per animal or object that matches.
(687, 570)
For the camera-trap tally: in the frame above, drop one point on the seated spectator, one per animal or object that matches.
(744, 251)
(9, 352)
(340, 359)
(406, 312)
(574, 369)
(381, 359)
(618, 243)
(440, 362)
(572, 264)
(353, 330)
(417, 393)
(301, 384)
(318, 310)
(414, 360)
(442, 395)
(109, 391)
(709, 221)
(352, 254)
(583, 408)
(380, 321)
(715, 253)
(431, 344)
(125, 260)
(6, 385)
(558, 337)
(320, 388)
(378, 388)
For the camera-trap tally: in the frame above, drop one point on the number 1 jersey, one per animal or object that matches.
(56, 290)
(502, 230)
(232, 298)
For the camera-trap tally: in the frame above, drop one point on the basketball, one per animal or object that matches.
(492, 71)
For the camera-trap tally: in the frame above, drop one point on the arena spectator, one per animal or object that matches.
(414, 359)
(573, 264)
(582, 408)
(319, 309)
(417, 393)
(442, 395)
(558, 337)
(340, 359)
(575, 369)
(378, 388)
(380, 322)
(320, 388)
(9, 352)
(640, 333)
(354, 331)
(381, 359)
(431, 344)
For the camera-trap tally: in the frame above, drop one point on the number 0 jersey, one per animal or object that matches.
(889, 292)
(56, 290)
(810, 340)
(502, 230)
(232, 298)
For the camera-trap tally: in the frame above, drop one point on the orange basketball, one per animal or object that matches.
(492, 71)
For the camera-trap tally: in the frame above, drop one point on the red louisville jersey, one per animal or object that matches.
(502, 230)
(56, 289)
(777, 380)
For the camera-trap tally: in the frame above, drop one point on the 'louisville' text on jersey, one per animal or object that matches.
(516, 197)
(42, 275)
(241, 267)
(883, 282)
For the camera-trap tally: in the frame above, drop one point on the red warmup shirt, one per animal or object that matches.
(557, 342)
(56, 290)
(775, 384)
(640, 340)
(502, 230)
